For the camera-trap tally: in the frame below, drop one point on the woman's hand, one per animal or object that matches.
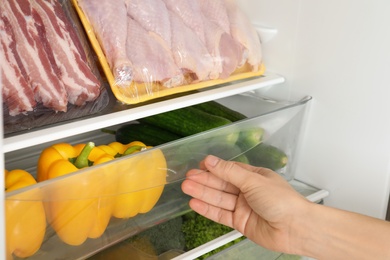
(265, 208)
(255, 201)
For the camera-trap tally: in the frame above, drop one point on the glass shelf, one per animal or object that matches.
(117, 113)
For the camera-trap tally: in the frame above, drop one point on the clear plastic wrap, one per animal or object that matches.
(90, 193)
(49, 71)
(150, 49)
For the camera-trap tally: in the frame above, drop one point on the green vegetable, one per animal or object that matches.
(145, 133)
(215, 108)
(163, 237)
(228, 152)
(289, 257)
(249, 138)
(268, 156)
(199, 230)
(189, 121)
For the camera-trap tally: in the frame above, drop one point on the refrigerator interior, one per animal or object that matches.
(336, 52)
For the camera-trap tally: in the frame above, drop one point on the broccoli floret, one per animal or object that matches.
(289, 257)
(164, 236)
(199, 230)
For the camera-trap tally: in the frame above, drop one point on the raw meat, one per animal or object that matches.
(243, 31)
(68, 57)
(47, 87)
(189, 52)
(189, 11)
(216, 12)
(152, 15)
(109, 20)
(190, 14)
(152, 61)
(225, 50)
(17, 93)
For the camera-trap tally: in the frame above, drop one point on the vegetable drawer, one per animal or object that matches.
(93, 208)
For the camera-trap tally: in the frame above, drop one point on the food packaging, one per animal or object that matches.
(81, 91)
(147, 53)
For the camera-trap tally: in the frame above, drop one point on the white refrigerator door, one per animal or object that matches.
(339, 53)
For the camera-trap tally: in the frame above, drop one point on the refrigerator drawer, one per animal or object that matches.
(173, 239)
(95, 207)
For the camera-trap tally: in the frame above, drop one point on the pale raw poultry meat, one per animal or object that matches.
(190, 14)
(189, 11)
(109, 20)
(243, 31)
(219, 41)
(215, 11)
(189, 52)
(227, 52)
(152, 15)
(153, 62)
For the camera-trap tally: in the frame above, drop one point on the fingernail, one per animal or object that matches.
(212, 160)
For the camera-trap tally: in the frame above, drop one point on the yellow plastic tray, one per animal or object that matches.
(140, 92)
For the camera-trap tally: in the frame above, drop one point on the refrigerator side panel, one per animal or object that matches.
(2, 213)
(342, 59)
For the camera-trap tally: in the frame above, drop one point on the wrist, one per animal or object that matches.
(303, 229)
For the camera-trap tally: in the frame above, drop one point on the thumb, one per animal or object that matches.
(228, 171)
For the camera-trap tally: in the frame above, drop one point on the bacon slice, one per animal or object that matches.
(47, 87)
(69, 57)
(17, 94)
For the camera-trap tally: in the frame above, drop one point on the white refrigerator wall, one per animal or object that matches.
(339, 53)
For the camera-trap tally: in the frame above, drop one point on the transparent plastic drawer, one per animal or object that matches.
(93, 208)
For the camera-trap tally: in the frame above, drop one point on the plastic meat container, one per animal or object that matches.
(130, 92)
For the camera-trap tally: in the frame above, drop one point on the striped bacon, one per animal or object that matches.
(17, 93)
(69, 57)
(46, 85)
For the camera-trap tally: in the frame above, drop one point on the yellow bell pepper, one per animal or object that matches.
(81, 205)
(141, 182)
(78, 207)
(24, 215)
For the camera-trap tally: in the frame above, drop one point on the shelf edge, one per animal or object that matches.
(57, 132)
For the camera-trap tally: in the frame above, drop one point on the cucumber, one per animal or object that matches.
(145, 133)
(250, 137)
(268, 156)
(189, 121)
(215, 108)
(228, 152)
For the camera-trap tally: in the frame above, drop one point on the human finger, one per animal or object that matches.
(209, 195)
(214, 213)
(208, 179)
(229, 171)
